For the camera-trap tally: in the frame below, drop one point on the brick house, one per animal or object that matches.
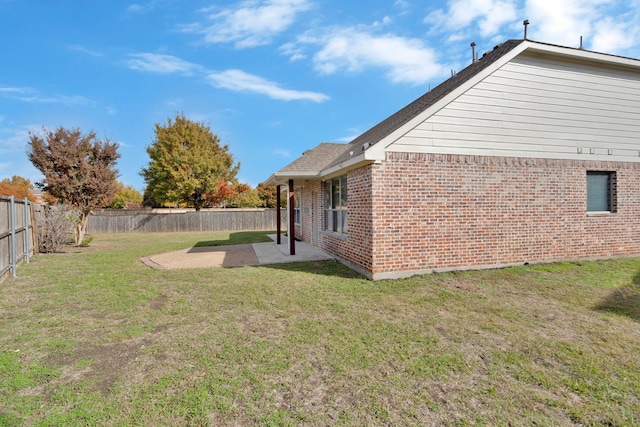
(530, 154)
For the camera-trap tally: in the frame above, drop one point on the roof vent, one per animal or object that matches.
(366, 145)
(474, 55)
(526, 24)
(351, 153)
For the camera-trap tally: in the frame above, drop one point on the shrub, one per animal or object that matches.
(55, 228)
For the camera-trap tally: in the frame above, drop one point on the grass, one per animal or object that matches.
(94, 337)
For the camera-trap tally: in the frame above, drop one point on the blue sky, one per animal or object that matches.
(272, 78)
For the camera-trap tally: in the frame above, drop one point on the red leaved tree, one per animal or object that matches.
(79, 170)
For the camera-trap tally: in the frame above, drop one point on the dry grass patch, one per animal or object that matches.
(94, 337)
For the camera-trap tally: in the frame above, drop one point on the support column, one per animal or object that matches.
(290, 225)
(278, 219)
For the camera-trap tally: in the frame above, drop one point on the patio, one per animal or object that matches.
(237, 255)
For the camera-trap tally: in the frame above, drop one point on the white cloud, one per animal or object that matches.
(402, 4)
(353, 50)
(161, 64)
(293, 51)
(612, 36)
(560, 22)
(282, 153)
(59, 99)
(250, 23)
(122, 144)
(606, 25)
(239, 81)
(14, 140)
(13, 90)
(82, 49)
(30, 95)
(488, 15)
(14, 147)
(141, 8)
(386, 20)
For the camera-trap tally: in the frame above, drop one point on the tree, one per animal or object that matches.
(126, 197)
(268, 195)
(79, 170)
(188, 165)
(245, 197)
(18, 187)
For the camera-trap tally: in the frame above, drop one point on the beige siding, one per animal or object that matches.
(538, 107)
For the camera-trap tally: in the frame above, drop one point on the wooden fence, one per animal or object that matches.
(18, 239)
(162, 221)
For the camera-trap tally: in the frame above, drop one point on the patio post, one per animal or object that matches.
(278, 222)
(290, 224)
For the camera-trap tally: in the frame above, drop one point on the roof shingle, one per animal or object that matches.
(316, 159)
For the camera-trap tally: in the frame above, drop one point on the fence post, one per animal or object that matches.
(12, 226)
(26, 230)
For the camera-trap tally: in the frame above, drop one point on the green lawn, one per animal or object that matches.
(94, 337)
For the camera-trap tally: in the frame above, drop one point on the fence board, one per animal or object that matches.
(125, 221)
(18, 237)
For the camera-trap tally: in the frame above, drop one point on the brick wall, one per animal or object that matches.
(354, 248)
(445, 212)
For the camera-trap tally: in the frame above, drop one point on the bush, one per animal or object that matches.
(56, 228)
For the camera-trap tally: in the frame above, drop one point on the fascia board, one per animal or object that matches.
(585, 54)
(282, 178)
(358, 160)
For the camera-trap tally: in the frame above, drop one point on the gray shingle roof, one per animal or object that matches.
(316, 159)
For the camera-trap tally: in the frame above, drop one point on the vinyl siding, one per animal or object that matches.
(538, 107)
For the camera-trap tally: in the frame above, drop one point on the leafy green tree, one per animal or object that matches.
(126, 197)
(245, 197)
(188, 165)
(148, 201)
(79, 170)
(268, 195)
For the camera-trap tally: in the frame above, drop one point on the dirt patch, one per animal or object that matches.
(204, 256)
(158, 302)
(106, 363)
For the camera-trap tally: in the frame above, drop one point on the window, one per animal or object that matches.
(601, 191)
(335, 205)
(297, 201)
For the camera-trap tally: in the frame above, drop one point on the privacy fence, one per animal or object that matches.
(162, 221)
(18, 237)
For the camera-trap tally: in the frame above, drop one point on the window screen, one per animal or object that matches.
(599, 186)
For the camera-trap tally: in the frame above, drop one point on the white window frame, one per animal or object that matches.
(297, 203)
(335, 205)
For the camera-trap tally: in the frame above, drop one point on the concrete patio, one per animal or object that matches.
(237, 255)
